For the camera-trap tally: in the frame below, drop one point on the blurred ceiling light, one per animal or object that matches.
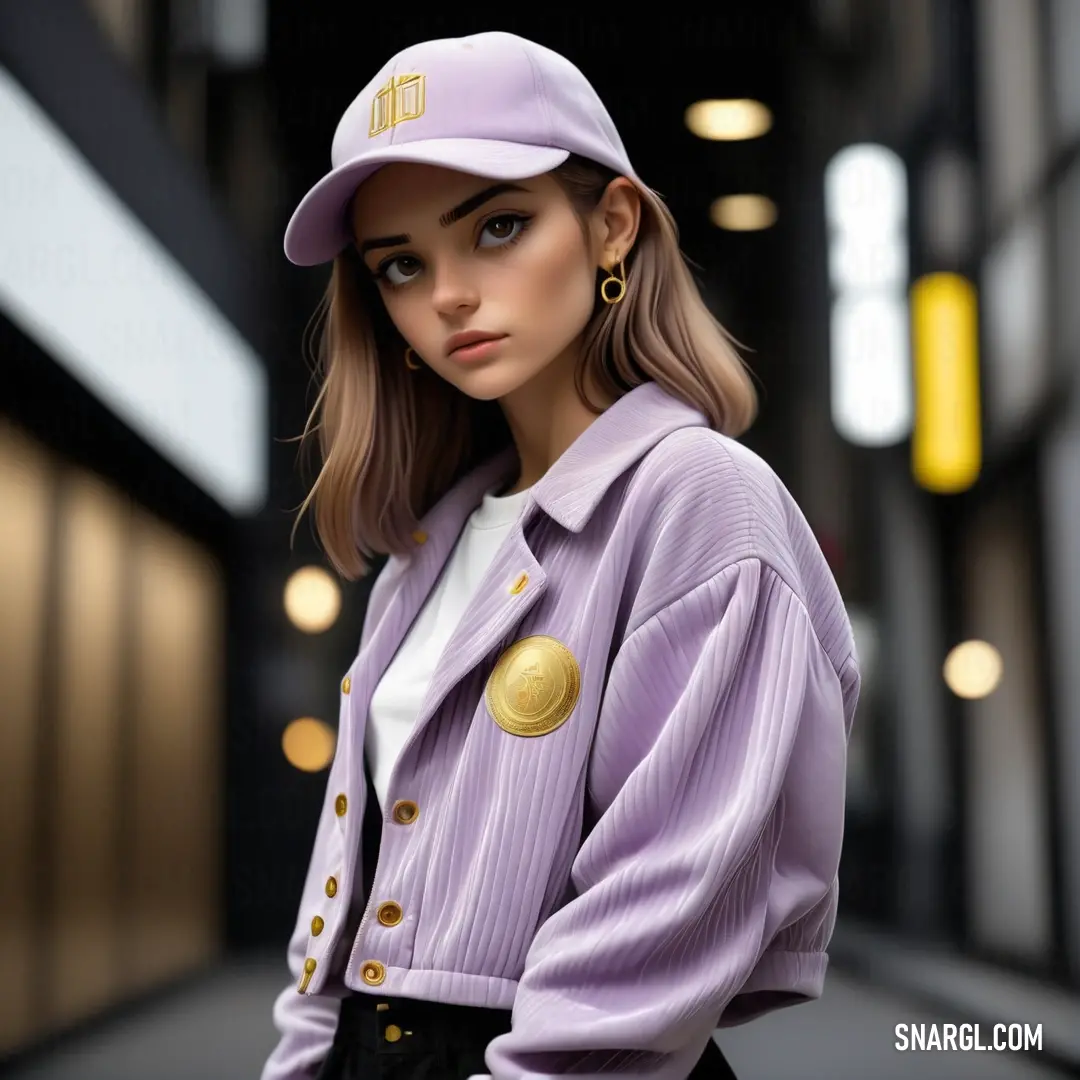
(312, 599)
(83, 277)
(946, 443)
(743, 213)
(309, 744)
(866, 211)
(728, 120)
(973, 669)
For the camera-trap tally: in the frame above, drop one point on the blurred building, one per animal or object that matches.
(133, 459)
(170, 658)
(964, 824)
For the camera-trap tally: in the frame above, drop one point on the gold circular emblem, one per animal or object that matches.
(534, 687)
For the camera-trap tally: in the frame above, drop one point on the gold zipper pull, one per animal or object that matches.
(309, 970)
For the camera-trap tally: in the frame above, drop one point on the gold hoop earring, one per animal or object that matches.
(408, 363)
(619, 281)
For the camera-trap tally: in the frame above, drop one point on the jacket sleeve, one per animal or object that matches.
(718, 774)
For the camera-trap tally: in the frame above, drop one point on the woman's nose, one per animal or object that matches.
(454, 289)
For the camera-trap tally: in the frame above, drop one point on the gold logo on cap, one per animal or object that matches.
(402, 98)
(534, 687)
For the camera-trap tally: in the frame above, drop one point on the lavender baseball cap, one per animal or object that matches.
(493, 104)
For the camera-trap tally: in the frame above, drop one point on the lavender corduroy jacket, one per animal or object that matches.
(661, 863)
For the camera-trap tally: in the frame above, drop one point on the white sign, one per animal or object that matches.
(81, 276)
(866, 209)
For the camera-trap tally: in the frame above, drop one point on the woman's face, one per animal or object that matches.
(458, 257)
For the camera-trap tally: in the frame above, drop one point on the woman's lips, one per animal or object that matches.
(477, 350)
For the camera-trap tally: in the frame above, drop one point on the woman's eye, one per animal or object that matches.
(401, 270)
(500, 230)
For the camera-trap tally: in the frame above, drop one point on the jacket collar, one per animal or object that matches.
(575, 484)
(573, 487)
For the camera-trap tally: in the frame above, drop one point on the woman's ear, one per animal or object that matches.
(619, 214)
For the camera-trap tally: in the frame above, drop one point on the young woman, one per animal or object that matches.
(587, 800)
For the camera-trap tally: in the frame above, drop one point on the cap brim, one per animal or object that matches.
(318, 231)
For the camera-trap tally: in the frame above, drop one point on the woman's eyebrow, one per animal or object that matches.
(383, 241)
(463, 209)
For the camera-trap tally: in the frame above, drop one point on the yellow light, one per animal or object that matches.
(743, 213)
(973, 669)
(309, 744)
(312, 599)
(946, 442)
(728, 120)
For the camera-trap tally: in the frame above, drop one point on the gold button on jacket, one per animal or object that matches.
(317, 926)
(331, 886)
(346, 684)
(373, 973)
(405, 811)
(390, 913)
(393, 1033)
(341, 804)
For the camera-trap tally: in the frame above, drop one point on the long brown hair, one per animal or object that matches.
(394, 440)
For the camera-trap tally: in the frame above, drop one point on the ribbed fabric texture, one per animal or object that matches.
(396, 702)
(664, 861)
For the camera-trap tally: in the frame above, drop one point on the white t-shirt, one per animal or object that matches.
(396, 702)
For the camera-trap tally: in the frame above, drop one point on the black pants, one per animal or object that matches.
(426, 1040)
(410, 1040)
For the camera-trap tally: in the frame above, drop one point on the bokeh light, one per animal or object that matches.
(973, 669)
(743, 213)
(312, 599)
(309, 744)
(728, 120)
